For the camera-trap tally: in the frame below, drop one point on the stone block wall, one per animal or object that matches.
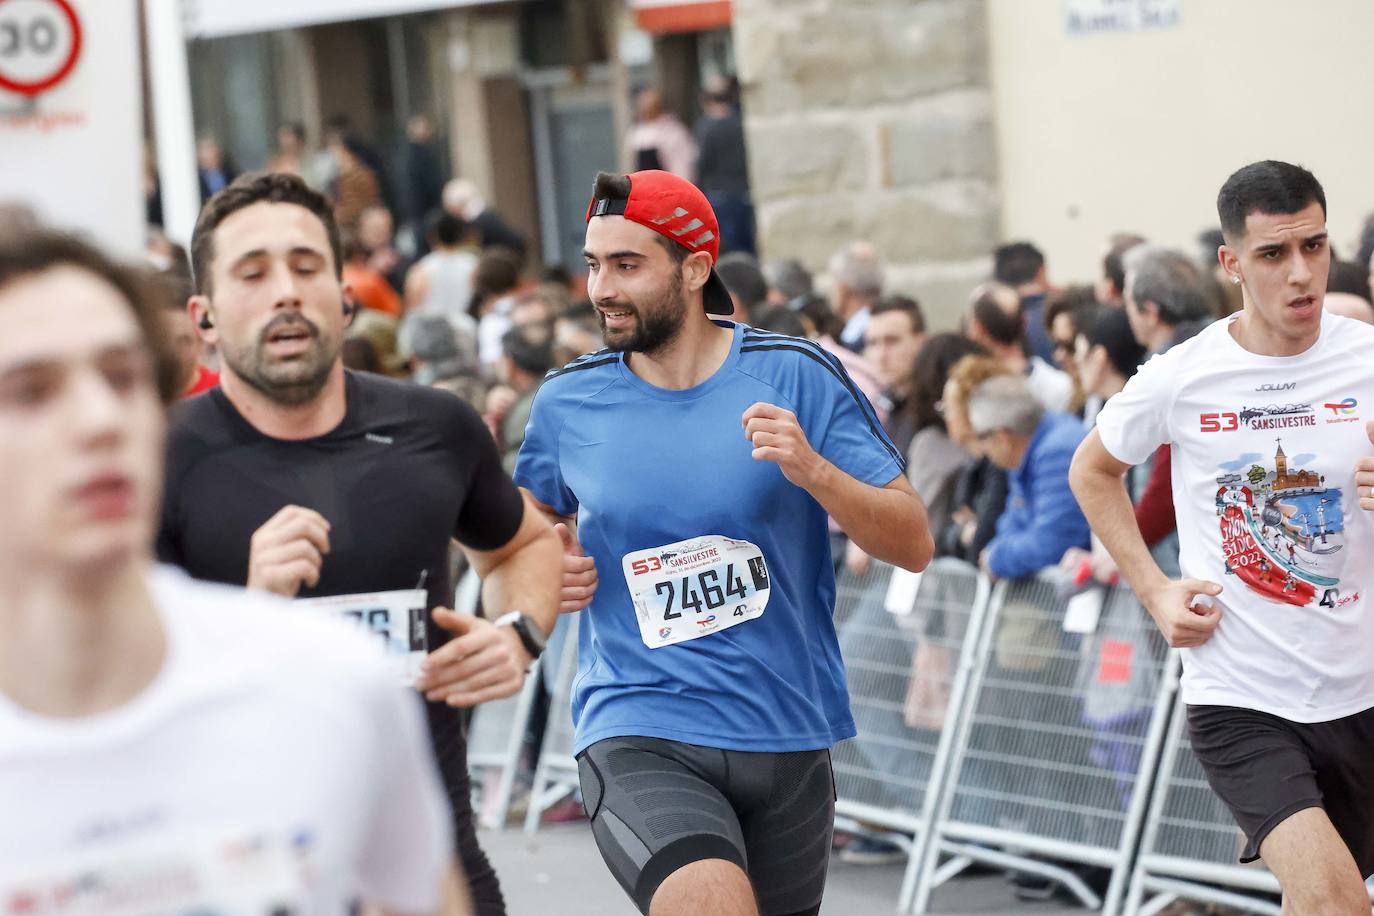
(872, 119)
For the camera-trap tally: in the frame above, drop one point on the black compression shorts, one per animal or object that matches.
(1266, 769)
(658, 805)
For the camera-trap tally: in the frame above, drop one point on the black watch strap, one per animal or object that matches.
(531, 637)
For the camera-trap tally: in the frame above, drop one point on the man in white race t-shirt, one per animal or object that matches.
(168, 746)
(1267, 412)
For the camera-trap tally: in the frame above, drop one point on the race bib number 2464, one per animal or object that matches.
(696, 587)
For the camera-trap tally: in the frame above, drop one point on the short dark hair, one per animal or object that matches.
(1346, 277)
(1112, 266)
(172, 287)
(1002, 326)
(1111, 330)
(497, 271)
(814, 309)
(610, 186)
(1208, 241)
(1078, 302)
(779, 319)
(904, 304)
(556, 274)
(1366, 247)
(531, 352)
(740, 273)
(1016, 263)
(1269, 186)
(29, 254)
(245, 191)
(447, 229)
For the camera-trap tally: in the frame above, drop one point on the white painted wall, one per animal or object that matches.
(1136, 132)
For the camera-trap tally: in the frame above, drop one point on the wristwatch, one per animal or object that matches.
(531, 636)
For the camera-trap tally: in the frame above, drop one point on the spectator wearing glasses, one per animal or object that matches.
(1067, 313)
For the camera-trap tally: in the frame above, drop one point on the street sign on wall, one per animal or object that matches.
(71, 116)
(1091, 17)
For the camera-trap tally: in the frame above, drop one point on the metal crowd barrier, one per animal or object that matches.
(1059, 740)
(908, 660)
(495, 737)
(1191, 844)
(986, 733)
(555, 776)
(497, 729)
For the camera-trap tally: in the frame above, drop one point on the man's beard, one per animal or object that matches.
(290, 382)
(655, 328)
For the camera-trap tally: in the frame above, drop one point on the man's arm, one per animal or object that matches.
(1096, 480)
(579, 570)
(487, 662)
(522, 574)
(887, 522)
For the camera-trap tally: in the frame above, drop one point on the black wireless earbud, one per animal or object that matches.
(348, 309)
(205, 322)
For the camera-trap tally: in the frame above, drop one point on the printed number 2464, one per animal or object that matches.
(704, 586)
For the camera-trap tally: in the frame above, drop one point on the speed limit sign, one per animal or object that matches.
(40, 41)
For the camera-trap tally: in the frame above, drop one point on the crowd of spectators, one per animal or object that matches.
(988, 414)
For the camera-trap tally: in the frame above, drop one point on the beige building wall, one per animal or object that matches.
(1108, 132)
(873, 121)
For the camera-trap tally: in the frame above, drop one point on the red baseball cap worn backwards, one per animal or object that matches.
(677, 210)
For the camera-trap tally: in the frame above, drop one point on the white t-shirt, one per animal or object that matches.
(1264, 453)
(1052, 387)
(273, 765)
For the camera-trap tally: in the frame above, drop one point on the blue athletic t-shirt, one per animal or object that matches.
(645, 468)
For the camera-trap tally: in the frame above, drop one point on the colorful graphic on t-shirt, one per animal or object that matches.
(1282, 530)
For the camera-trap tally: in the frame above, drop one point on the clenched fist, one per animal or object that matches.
(579, 574)
(288, 551)
(1364, 474)
(1185, 621)
(778, 437)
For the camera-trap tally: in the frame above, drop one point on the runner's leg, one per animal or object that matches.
(451, 751)
(664, 826)
(787, 809)
(1314, 867)
(708, 887)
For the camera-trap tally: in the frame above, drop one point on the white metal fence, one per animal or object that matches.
(908, 659)
(555, 776)
(1061, 735)
(989, 733)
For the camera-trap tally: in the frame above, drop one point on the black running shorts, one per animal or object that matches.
(1266, 769)
(658, 805)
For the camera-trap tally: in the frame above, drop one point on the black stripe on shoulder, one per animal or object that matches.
(838, 371)
(604, 351)
(585, 362)
(755, 336)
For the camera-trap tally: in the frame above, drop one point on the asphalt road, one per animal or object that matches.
(558, 872)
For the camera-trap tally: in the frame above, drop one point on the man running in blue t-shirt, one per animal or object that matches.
(700, 459)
